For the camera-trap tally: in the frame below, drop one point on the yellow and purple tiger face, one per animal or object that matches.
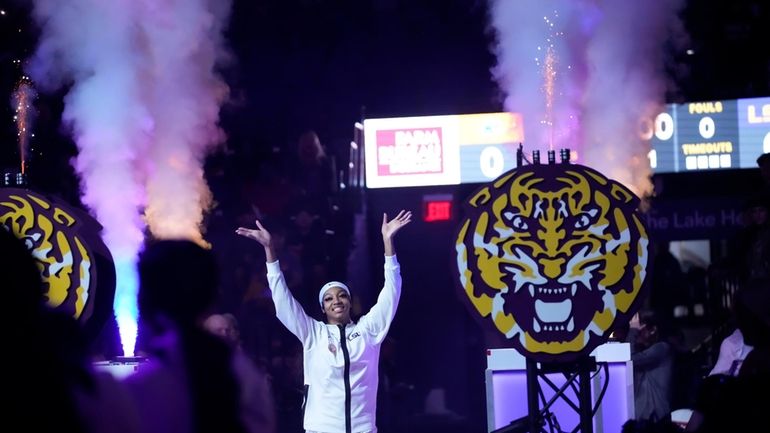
(50, 232)
(553, 255)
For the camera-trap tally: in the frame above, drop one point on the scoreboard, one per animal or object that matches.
(477, 148)
(709, 135)
(440, 150)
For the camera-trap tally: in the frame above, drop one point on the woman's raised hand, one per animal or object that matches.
(390, 228)
(260, 234)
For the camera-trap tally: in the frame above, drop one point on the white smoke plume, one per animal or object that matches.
(184, 41)
(143, 108)
(608, 76)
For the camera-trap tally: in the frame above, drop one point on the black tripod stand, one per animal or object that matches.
(578, 378)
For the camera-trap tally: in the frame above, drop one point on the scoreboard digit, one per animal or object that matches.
(661, 132)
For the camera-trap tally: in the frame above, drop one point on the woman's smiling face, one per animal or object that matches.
(336, 305)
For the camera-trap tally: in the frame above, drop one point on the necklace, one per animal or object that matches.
(332, 347)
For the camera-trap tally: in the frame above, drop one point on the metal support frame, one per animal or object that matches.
(576, 372)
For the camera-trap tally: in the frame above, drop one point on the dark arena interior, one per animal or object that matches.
(139, 134)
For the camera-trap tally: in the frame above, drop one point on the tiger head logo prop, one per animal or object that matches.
(552, 256)
(75, 265)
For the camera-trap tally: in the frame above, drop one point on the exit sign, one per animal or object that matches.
(437, 207)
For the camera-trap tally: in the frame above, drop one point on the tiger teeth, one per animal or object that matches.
(545, 291)
(538, 327)
(574, 288)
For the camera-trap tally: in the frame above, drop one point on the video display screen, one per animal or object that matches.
(440, 150)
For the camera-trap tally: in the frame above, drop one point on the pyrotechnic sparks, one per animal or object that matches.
(549, 71)
(549, 81)
(24, 115)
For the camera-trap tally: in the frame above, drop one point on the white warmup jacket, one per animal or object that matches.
(732, 352)
(341, 378)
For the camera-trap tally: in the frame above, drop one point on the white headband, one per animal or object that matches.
(328, 286)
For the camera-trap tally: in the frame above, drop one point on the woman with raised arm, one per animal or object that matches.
(340, 357)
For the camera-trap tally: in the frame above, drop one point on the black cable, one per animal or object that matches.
(596, 373)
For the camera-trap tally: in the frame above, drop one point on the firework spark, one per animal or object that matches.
(24, 115)
(549, 83)
(549, 73)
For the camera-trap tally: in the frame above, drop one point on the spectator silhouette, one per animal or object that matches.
(668, 282)
(763, 163)
(224, 326)
(306, 238)
(255, 399)
(313, 174)
(756, 239)
(191, 383)
(647, 426)
(622, 333)
(653, 365)
(753, 319)
(49, 362)
(49, 384)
